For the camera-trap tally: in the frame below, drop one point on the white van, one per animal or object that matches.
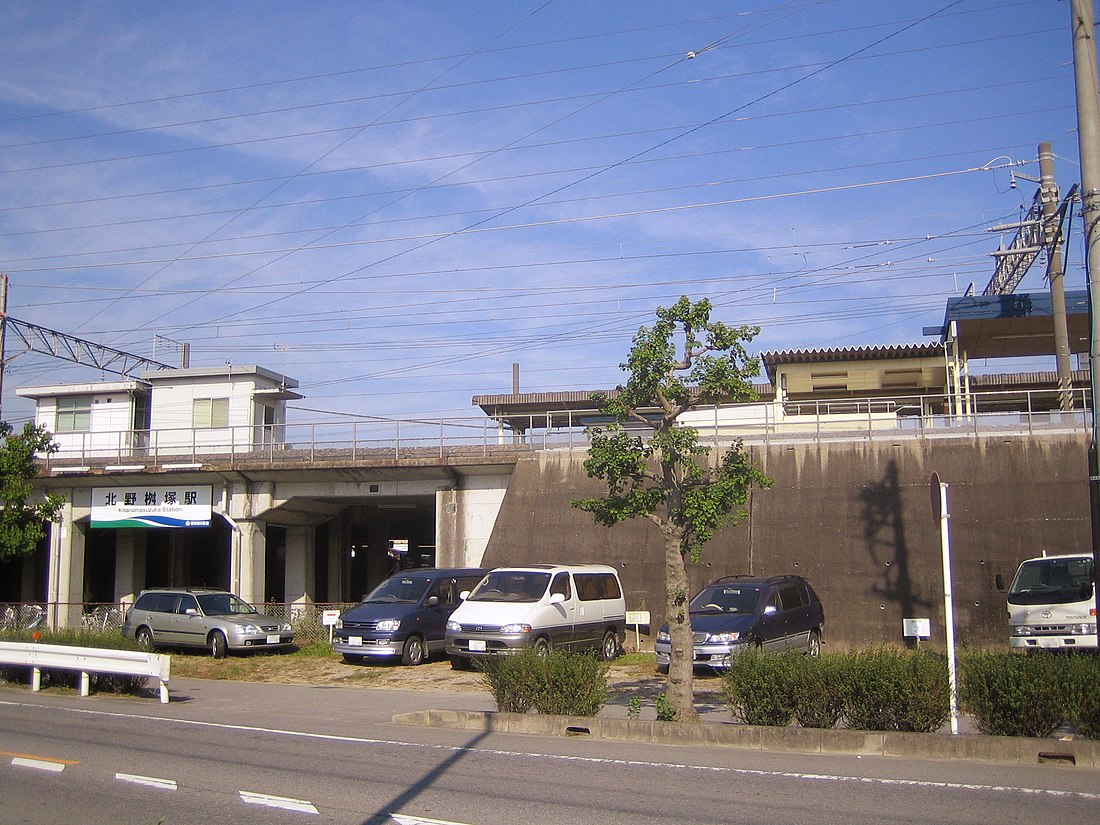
(574, 607)
(1051, 604)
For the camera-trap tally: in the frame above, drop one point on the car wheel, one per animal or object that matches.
(218, 645)
(610, 647)
(460, 663)
(813, 648)
(541, 646)
(144, 638)
(352, 660)
(662, 669)
(413, 653)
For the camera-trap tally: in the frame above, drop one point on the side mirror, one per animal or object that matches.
(463, 595)
(432, 601)
(557, 598)
(770, 610)
(999, 582)
(191, 612)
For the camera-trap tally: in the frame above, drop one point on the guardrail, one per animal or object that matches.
(87, 660)
(813, 420)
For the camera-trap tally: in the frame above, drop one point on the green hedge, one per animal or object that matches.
(1010, 694)
(879, 689)
(895, 690)
(557, 682)
(887, 689)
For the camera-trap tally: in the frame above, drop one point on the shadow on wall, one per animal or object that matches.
(884, 536)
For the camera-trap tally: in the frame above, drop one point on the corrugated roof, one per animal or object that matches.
(833, 355)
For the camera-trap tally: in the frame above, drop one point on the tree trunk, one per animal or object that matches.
(679, 689)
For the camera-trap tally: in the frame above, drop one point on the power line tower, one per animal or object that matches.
(61, 345)
(1041, 231)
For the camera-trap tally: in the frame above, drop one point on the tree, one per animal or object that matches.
(668, 476)
(22, 522)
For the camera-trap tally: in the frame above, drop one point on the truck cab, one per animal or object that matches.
(1051, 604)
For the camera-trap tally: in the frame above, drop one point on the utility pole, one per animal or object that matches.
(1052, 240)
(1088, 139)
(3, 330)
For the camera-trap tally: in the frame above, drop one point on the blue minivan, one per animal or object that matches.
(405, 616)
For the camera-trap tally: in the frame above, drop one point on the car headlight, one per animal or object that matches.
(284, 627)
(454, 627)
(388, 625)
(515, 628)
(1022, 630)
(723, 638)
(249, 628)
(663, 636)
(1083, 629)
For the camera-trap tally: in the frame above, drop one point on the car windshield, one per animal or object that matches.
(224, 604)
(1052, 581)
(726, 598)
(398, 590)
(511, 586)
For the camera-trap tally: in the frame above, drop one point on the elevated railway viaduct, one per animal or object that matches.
(853, 515)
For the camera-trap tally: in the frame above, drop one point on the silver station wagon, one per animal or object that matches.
(201, 617)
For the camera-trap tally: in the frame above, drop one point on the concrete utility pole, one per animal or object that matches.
(3, 330)
(1088, 139)
(1048, 195)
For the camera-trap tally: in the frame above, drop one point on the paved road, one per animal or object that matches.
(243, 753)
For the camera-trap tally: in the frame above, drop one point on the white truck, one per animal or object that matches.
(1051, 605)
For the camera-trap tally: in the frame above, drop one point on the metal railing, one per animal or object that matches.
(841, 419)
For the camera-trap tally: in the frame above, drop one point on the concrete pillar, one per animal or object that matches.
(66, 588)
(448, 529)
(248, 561)
(243, 505)
(129, 565)
(301, 548)
(465, 518)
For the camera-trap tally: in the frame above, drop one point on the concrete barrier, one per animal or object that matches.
(87, 660)
(1015, 749)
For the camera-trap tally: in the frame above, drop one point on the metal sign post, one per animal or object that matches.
(939, 512)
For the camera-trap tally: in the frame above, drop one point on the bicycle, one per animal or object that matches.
(102, 618)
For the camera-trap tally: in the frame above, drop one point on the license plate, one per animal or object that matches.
(273, 638)
(477, 646)
(355, 641)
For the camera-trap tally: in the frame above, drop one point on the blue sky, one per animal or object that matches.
(393, 202)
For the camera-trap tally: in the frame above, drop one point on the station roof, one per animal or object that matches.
(1012, 326)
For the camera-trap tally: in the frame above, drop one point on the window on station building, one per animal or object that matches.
(208, 413)
(74, 414)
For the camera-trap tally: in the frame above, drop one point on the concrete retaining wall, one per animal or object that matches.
(853, 518)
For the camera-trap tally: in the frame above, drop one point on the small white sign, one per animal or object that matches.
(329, 617)
(916, 628)
(637, 617)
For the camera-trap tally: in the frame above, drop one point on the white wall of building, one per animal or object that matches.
(110, 428)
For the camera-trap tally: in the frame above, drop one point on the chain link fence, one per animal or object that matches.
(305, 619)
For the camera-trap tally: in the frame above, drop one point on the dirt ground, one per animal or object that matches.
(631, 676)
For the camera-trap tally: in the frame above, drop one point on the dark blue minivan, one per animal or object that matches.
(405, 616)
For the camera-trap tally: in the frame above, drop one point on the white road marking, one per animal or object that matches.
(282, 802)
(406, 819)
(38, 764)
(150, 781)
(638, 763)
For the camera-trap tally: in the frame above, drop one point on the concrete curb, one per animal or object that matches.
(1013, 749)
